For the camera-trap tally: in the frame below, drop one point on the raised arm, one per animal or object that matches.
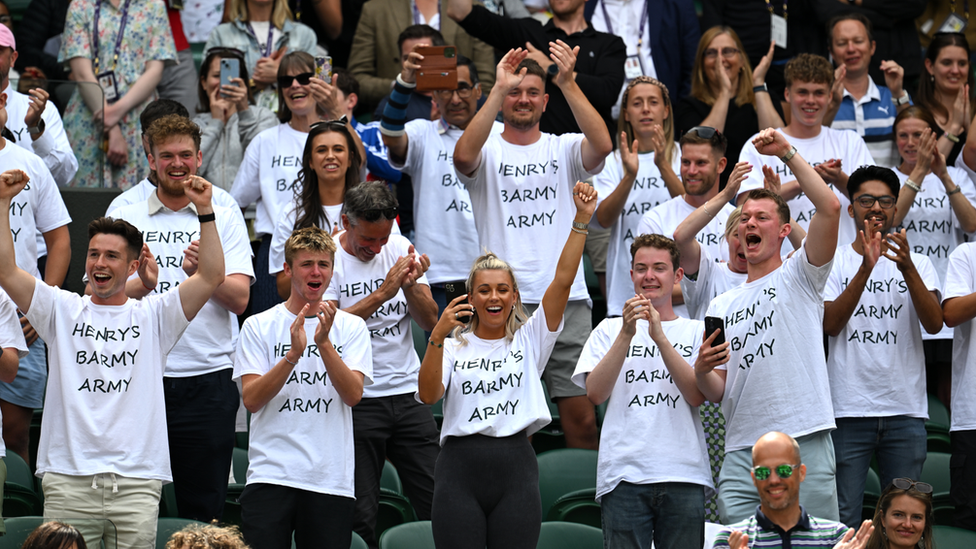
(430, 386)
(557, 294)
(925, 301)
(825, 224)
(467, 152)
(682, 374)
(196, 290)
(459, 9)
(765, 110)
(596, 139)
(18, 283)
(600, 381)
(394, 116)
(684, 235)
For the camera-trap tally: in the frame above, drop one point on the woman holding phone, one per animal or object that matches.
(227, 116)
(486, 481)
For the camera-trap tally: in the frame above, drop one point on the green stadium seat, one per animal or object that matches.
(565, 535)
(412, 535)
(564, 471)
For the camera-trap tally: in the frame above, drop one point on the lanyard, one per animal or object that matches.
(640, 31)
(266, 52)
(118, 38)
(785, 16)
(418, 18)
(965, 7)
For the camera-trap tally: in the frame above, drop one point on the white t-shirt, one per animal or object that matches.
(317, 456)
(11, 336)
(493, 387)
(960, 282)
(775, 328)
(395, 362)
(269, 174)
(650, 434)
(141, 191)
(524, 210)
(443, 220)
(104, 410)
(712, 280)
(208, 345)
(53, 146)
(647, 191)
(37, 208)
(876, 364)
(932, 227)
(843, 144)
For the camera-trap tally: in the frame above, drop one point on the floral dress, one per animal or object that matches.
(147, 37)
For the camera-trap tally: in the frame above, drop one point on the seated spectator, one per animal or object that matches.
(904, 516)
(265, 31)
(726, 94)
(228, 118)
(866, 108)
(300, 481)
(55, 535)
(946, 90)
(126, 62)
(376, 48)
(210, 536)
(777, 472)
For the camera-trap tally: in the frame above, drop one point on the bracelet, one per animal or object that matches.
(404, 83)
(432, 344)
(913, 185)
(950, 137)
(958, 189)
(786, 157)
(289, 362)
(577, 231)
(146, 287)
(581, 226)
(760, 88)
(705, 207)
(207, 217)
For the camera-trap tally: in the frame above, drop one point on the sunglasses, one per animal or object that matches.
(867, 200)
(303, 79)
(374, 215)
(908, 484)
(782, 471)
(704, 132)
(331, 124)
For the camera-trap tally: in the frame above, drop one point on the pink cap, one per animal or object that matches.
(7, 37)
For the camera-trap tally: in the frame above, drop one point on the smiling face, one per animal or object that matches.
(174, 161)
(851, 47)
(493, 296)
(653, 274)
(904, 522)
(950, 70)
(761, 231)
(108, 266)
(775, 493)
(298, 98)
(455, 110)
(732, 64)
(330, 157)
(808, 102)
(879, 218)
(523, 106)
(908, 134)
(645, 109)
(365, 239)
(311, 273)
(700, 168)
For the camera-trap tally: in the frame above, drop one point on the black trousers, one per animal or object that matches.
(271, 513)
(201, 413)
(962, 470)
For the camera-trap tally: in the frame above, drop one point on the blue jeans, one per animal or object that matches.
(671, 514)
(899, 443)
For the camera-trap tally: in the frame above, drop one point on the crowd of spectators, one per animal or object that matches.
(777, 199)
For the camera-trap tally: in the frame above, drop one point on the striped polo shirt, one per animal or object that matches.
(809, 532)
(873, 118)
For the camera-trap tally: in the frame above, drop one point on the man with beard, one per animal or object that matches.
(876, 294)
(702, 161)
(780, 520)
(521, 183)
(201, 398)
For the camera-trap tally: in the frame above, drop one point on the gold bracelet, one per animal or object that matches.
(950, 137)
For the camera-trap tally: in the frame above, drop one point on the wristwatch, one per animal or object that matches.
(903, 100)
(36, 130)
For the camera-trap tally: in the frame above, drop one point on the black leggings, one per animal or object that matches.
(486, 493)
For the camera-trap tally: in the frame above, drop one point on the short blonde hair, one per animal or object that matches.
(309, 239)
(207, 536)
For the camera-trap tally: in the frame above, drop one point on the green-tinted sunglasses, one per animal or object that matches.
(782, 471)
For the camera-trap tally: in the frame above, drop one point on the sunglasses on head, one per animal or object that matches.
(704, 132)
(331, 124)
(303, 79)
(908, 484)
(782, 471)
(374, 215)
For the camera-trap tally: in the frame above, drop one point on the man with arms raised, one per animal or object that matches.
(102, 454)
(521, 183)
(776, 376)
(780, 521)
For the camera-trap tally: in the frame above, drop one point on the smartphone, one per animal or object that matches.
(438, 70)
(230, 67)
(713, 323)
(453, 291)
(323, 68)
